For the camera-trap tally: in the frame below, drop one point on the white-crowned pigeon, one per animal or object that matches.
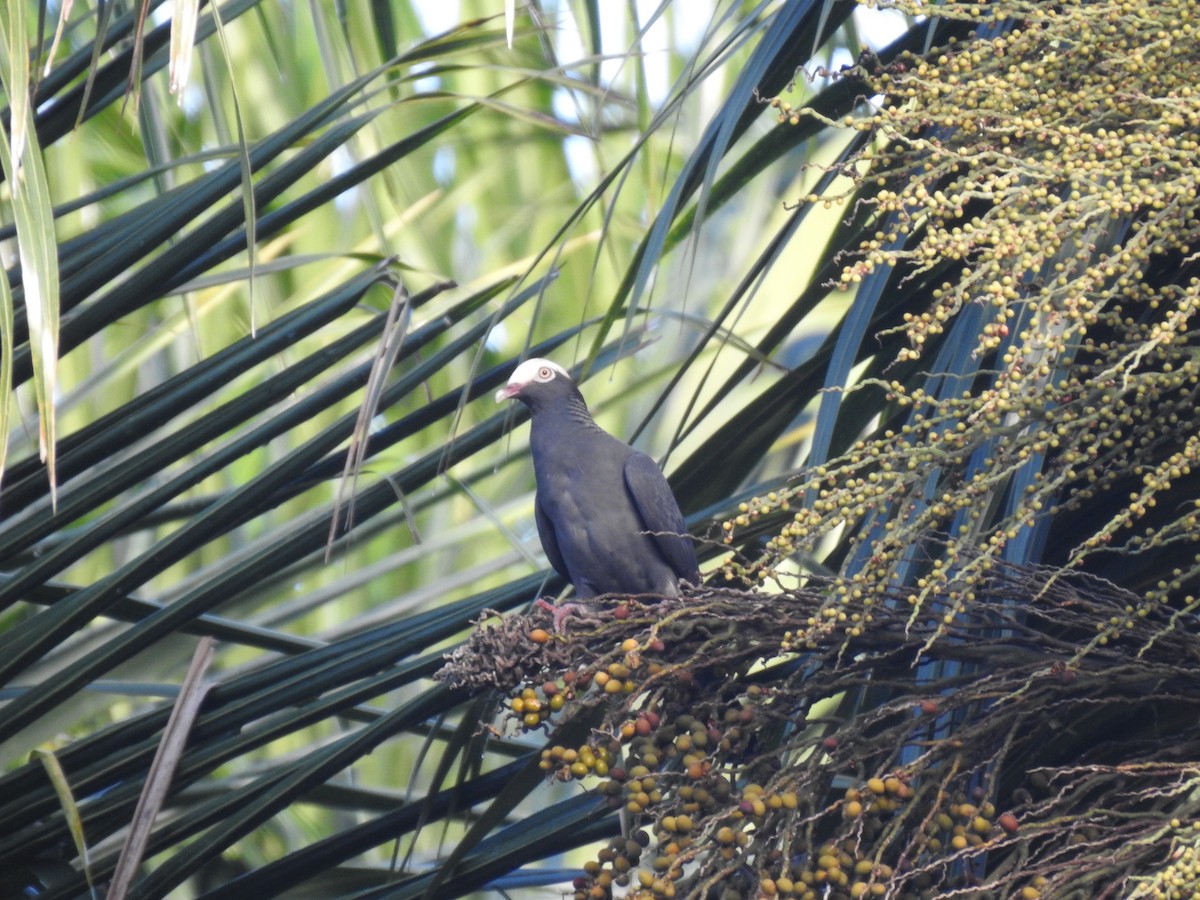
(605, 514)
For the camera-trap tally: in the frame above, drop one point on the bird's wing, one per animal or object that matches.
(660, 514)
(549, 540)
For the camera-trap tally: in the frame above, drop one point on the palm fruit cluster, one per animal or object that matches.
(738, 770)
(1038, 174)
(1179, 877)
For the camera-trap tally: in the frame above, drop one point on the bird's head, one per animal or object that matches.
(536, 381)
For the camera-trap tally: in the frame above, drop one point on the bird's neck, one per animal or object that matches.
(577, 411)
(574, 412)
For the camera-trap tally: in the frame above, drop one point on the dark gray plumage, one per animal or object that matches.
(606, 516)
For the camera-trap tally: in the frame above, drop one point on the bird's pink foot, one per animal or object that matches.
(559, 614)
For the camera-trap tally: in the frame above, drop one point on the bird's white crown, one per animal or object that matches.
(537, 370)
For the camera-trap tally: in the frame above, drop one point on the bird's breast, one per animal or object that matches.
(599, 533)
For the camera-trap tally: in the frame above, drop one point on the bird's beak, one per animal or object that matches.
(507, 392)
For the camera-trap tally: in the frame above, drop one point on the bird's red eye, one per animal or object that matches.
(545, 373)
